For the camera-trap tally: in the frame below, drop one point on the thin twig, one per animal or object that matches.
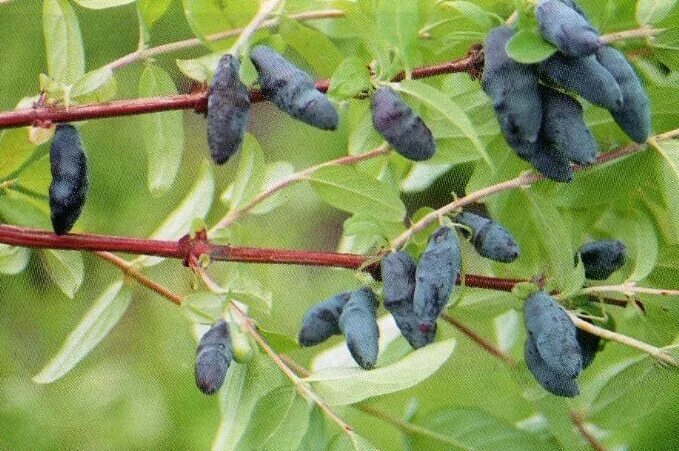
(300, 385)
(630, 290)
(130, 271)
(196, 101)
(265, 8)
(579, 423)
(656, 352)
(479, 340)
(170, 47)
(233, 215)
(517, 182)
(643, 32)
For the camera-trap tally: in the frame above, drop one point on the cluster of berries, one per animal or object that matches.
(414, 293)
(555, 351)
(544, 125)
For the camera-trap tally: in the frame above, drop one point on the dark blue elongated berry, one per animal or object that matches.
(69, 178)
(403, 129)
(549, 160)
(602, 258)
(322, 320)
(634, 117)
(435, 276)
(398, 275)
(564, 127)
(228, 106)
(489, 238)
(292, 90)
(213, 357)
(589, 345)
(513, 88)
(550, 380)
(567, 29)
(586, 77)
(554, 334)
(358, 323)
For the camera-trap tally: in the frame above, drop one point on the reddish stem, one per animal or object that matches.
(186, 249)
(195, 101)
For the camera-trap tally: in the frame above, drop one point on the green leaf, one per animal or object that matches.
(206, 17)
(528, 47)
(201, 69)
(15, 149)
(351, 78)
(204, 308)
(196, 204)
(152, 10)
(446, 107)
(250, 174)
(650, 12)
(635, 390)
(97, 323)
(353, 191)
(398, 24)
(484, 19)
(66, 269)
(466, 428)
(244, 386)
(163, 133)
(351, 441)
(95, 86)
(63, 42)
(281, 417)
(275, 173)
(21, 210)
(102, 4)
(342, 386)
(316, 438)
(13, 260)
(319, 52)
(279, 342)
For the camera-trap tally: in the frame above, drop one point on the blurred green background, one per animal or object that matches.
(136, 389)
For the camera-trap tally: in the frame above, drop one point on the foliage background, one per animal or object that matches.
(136, 389)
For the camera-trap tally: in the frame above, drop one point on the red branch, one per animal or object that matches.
(197, 101)
(186, 249)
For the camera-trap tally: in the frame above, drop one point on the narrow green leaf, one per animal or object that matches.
(398, 24)
(446, 107)
(245, 384)
(13, 260)
(196, 204)
(66, 269)
(163, 133)
(632, 393)
(349, 79)
(650, 12)
(528, 47)
(250, 174)
(152, 10)
(19, 209)
(484, 19)
(206, 17)
(97, 85)
(102, 4)
(319, 52)
(353, 191)
(97, 323)
(275, 173)
(63, 42)
(468, 428)
(280, 417)
(15, 149)
(342, 386)
(316, 438)
(201, 69)
(204, 308)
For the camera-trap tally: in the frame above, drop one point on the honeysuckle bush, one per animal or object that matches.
(91, 358)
